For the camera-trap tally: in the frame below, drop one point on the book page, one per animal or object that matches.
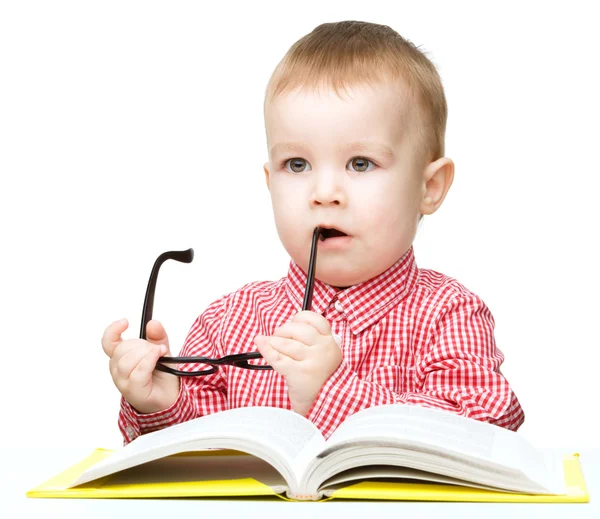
(394, 474)
(462, 443)
(275, 435)
(197, 468)
(439, 429)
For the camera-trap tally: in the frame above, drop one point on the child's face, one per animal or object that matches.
(372, 195)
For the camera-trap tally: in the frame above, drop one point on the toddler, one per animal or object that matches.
(355, 120)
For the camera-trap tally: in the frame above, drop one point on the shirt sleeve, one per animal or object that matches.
(198, 396)
(458, 370)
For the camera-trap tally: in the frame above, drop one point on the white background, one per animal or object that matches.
(132, 128)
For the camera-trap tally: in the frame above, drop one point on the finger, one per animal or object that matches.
(112, 336)
(317, 321)
(278, 361)
(302, 332)
(288, 347)
(156, 333)
(125, 347)
(129, 349)
(126, 364)
(141, 374)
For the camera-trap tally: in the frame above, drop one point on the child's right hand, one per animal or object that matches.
(132, 364)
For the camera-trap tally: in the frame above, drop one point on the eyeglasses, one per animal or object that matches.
(240, 360)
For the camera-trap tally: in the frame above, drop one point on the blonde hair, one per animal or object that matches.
(349, 53)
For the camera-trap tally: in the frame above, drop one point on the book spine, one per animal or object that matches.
(304, 497)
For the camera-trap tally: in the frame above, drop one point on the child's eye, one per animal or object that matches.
(298, 165)
(361, 163)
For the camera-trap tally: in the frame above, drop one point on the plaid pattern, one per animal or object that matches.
(409, 335)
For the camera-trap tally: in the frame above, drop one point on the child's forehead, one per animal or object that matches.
(388, 101)
(350, 95)
(377, 108)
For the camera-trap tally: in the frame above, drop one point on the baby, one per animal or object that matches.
(355, 120)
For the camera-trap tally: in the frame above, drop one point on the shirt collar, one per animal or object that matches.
(364, 303)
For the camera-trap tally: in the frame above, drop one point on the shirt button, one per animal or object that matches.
(129, 430)
(337, 338)
(339, 307)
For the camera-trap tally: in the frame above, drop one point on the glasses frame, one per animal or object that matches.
(239, 360)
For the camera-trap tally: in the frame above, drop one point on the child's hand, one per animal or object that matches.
(305, 353)
(132, 364)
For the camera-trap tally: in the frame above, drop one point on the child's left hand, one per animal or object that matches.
(304, 351)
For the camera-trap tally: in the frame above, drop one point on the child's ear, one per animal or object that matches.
(266, 168)
(437, 179)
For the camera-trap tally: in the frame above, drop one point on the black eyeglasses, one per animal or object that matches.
(240, 360)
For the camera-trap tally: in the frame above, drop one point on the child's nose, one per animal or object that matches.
(328, 188)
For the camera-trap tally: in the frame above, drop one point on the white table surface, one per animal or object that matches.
(23, 469)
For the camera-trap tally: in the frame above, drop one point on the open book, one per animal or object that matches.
(289, 454)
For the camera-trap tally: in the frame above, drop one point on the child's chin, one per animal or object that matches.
(332, 277)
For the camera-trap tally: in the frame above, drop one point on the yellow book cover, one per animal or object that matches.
(399, 452)
(116, 486)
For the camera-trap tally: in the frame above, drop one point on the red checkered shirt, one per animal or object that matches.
(408, 335)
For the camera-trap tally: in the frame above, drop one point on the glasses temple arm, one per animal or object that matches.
(184, 256)
(312, 267)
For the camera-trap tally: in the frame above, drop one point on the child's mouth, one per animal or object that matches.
(331, 239)
(327, 234)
